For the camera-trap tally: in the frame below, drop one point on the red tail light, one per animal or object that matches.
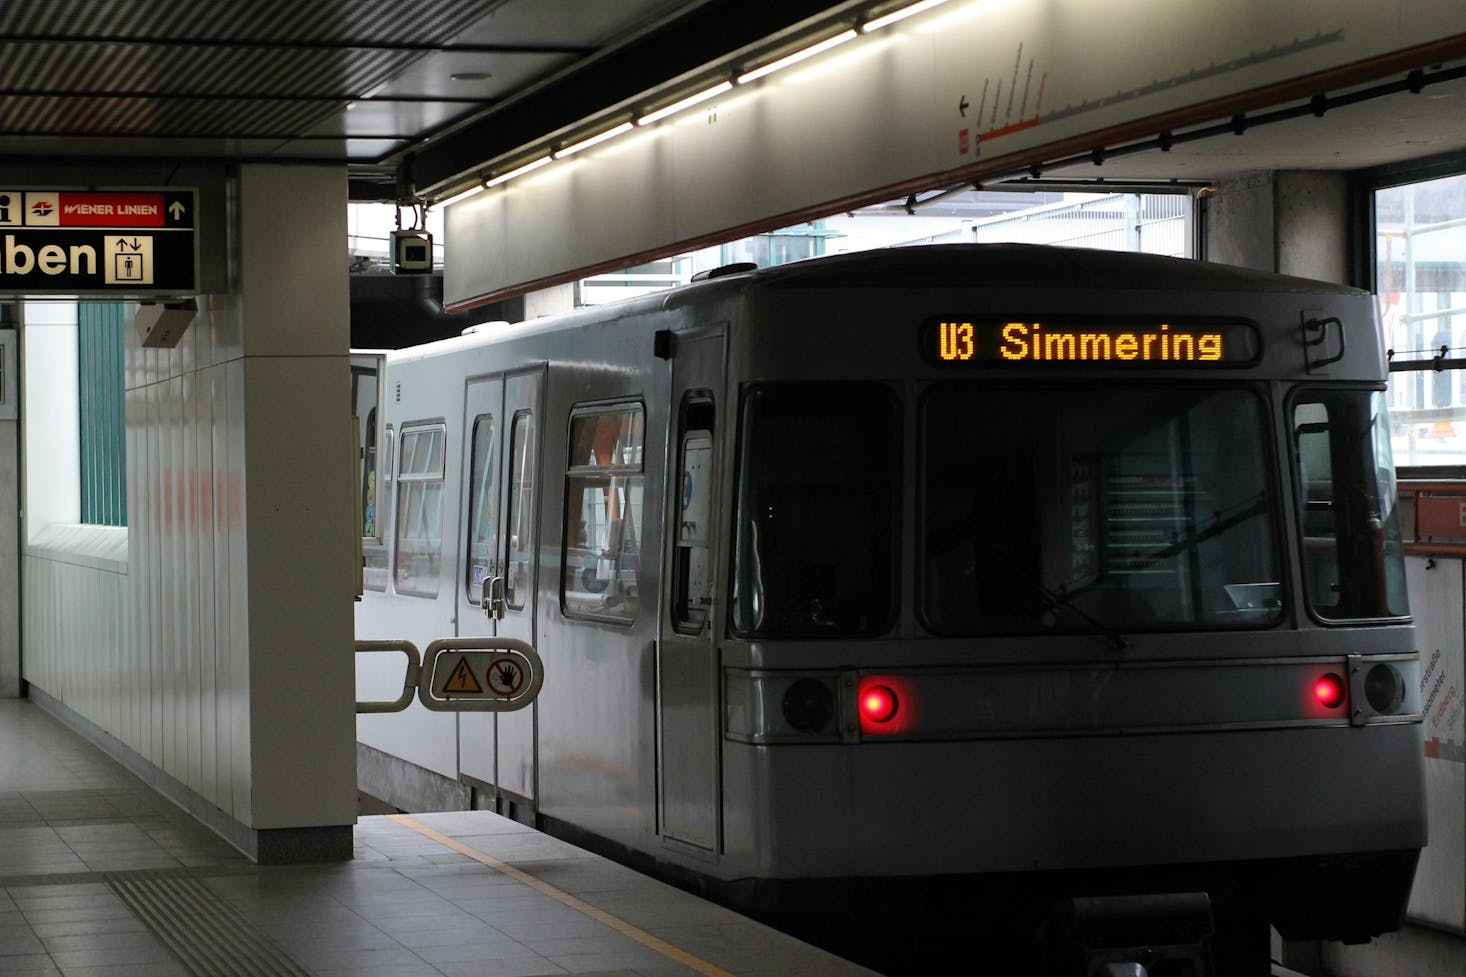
(878, 704)
(1329, 690)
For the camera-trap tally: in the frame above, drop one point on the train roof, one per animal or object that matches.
(1020, 266)
(926, 266)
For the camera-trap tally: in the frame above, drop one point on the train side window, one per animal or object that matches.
(603, 506)
(374, 551)
(482, 498)
(1353, 560)
(519, 523)
(692, 585)
(418, 561)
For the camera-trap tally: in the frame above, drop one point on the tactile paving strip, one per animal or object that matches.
(209, 936)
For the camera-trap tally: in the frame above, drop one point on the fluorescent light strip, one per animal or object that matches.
(593, 140)
(460, 195)
(526, 168)
(797, 56)
(685, 103)
(886, 20)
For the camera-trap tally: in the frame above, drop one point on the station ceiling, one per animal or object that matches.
(407, 93)
(411, 95)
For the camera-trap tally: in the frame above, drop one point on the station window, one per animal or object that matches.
(103, 411)
(1420, 284)
(603, 509)
(418, 560)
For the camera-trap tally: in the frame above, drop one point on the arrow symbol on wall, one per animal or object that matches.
(963, 105)
(175, 210)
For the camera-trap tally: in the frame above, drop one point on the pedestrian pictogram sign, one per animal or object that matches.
(107, 242)
(462, 680)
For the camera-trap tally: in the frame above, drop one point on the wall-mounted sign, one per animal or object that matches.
(99, 242)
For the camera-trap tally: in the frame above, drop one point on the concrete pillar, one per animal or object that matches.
(1293, 222)
(299, 519)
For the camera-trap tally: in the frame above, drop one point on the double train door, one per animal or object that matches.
(689, 717)
(496, 595)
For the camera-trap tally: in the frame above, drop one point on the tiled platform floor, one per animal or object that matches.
(100, 877)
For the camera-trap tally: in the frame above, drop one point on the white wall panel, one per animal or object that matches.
(887, 111)
(212, 636)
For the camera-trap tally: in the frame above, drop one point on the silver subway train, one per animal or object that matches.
(969, 586)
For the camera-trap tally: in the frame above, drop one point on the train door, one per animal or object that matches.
(687, 651)
(501, 467)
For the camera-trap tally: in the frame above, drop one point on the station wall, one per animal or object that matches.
(208, 643)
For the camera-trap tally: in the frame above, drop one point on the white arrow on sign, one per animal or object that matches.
(176, 210)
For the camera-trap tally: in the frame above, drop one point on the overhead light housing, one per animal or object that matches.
(598, 138)
(886, 20)
(798, 56)
(519, 171)
(686, 103)
(461, 194)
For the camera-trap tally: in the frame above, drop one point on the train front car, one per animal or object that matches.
(1061, 579)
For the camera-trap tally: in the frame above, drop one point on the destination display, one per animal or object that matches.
(989, 342)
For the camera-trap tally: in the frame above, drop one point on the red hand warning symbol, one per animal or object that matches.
(506, 676)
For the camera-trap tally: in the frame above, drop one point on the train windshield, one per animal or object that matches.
(1049, 509)
(817, 511)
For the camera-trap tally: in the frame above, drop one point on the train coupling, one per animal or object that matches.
(1158, 935)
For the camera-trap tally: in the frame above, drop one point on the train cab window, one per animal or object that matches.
(1048, 509)
(692, 581)
(1353, 558)
(603, 507)
(817, 513)
(519, 523)
(482, 498)
(418, 561)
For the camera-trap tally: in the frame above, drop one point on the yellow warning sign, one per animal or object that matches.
(463, 681)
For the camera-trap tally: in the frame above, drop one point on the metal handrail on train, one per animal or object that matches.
(517, 658)
(410, 681)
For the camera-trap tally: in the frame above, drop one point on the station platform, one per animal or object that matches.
(102, 877)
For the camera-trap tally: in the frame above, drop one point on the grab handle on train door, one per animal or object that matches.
(493, 601)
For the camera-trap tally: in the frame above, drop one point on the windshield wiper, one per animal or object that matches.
(1059, 599)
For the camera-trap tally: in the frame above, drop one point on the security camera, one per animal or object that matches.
(412, 252)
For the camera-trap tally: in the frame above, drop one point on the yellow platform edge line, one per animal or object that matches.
(618, 924)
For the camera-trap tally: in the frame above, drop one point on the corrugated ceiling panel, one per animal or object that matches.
(358, 21)
(140, 69)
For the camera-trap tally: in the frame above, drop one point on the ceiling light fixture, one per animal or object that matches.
(599, 137)
(461, 195)
(886, 20)
(797, 56)
(518, 171)
(685, 103)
